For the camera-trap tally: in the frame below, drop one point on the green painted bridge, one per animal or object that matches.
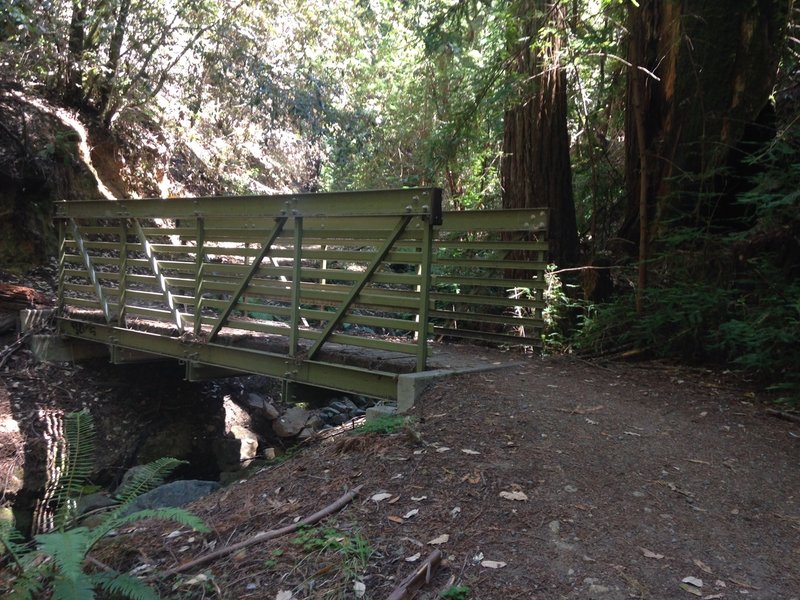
(345, 291)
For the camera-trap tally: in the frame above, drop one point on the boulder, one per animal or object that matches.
(291, 422)
(176, 493)
(261, 407)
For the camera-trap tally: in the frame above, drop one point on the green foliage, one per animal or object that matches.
(56, 560)
(384, 425)
(456, 592)
(731, 298)
(76, 461)
(351, 550)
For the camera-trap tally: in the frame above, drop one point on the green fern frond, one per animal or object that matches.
(171, 513)
(27, 586)
(67, 549)
(177, 514)
(77, 464)
(73, 589)
(124, 585)
(146, 478)
(12, 543)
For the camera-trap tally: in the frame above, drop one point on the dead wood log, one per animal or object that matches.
(19, 297)
(421, 575)
(266, 535)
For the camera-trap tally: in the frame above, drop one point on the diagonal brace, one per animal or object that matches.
(276, 231)
(333, 322)
(87, 262)
(162, 281)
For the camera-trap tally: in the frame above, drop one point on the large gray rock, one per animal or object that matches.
(261, 406)
(291, 422)
(176, 493)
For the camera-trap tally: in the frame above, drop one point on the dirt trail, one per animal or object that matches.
(629, 480)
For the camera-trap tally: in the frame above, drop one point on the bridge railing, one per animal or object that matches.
(312, 270)
(316, 278)
(488, 277)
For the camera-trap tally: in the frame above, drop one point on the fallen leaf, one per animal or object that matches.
(493, 564)
(437, 541)
(396, 519)
(419, 498)
(380, 496)
(633, 433)
(395, 499)
(412, 513)
(691, 589)
(201, 578)
(713, 596)
(742, 584)
(359, 589)
(473, 478)
(442, 449)
(703, 566)
(518, 496)
(413, 557)
(455, 512)
(650, 554)
(284, 595)
(693, 581)
(468, 451)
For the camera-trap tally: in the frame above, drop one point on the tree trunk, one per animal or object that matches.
(114, 51)
(704, 72)
(73, 87)
(536, 170)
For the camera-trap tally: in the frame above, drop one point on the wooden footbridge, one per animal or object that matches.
(345, 291)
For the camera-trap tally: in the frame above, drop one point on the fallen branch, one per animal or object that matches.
(265, 535)
(19, 297)
(784, 415)
(421, 575)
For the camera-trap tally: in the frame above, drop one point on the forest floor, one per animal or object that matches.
(555, 479)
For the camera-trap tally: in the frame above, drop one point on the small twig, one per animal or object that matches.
(99, 564)
(11, 348)
(421, 575)
(784, 415)
(266, 535)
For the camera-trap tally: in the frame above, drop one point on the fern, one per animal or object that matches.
(12, 541)
(67, 549)
(77, 464)
(59, 556)
(177, 514)
(146, 478)
(125, 585)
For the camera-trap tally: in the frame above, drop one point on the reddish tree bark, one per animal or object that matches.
(536, 169)
(704, 72)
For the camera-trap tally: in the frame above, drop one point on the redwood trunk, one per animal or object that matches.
(536, 168)
(709, 68)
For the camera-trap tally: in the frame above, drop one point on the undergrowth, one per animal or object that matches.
(57, 564)
(729, 297)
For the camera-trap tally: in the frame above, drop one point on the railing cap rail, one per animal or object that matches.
(407, 201)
